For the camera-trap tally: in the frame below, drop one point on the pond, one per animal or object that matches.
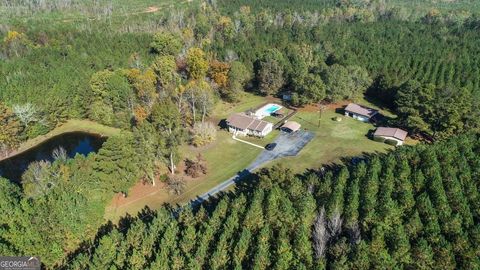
(74, 143)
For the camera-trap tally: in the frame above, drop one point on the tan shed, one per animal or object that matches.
(291, 126)
(393, 134)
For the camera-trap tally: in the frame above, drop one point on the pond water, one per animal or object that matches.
(74, 143)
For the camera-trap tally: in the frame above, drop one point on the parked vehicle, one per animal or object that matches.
(270, 146)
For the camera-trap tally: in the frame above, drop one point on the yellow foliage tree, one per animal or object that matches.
(197, 63)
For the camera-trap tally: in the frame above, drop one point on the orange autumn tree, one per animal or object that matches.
(219, 73)
(140, 113)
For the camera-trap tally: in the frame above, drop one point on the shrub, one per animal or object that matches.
(36, 130)
(196, 167)
(203, 133)
(378, 139)
(175, 185)
(165, 43)
(338, 118)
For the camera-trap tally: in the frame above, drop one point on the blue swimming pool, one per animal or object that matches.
(273, 108)
(267, 110)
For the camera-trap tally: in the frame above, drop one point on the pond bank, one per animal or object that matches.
(73, 125)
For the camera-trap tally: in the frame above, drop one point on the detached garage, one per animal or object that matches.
(291, 126)
(393, 136)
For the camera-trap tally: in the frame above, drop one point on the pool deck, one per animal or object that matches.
(264, 111)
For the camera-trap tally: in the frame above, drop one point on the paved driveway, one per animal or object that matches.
(288, 144)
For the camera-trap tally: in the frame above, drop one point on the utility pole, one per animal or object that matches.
(321, 108)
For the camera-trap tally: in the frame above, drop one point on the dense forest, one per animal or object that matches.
(330, 55)
(157, 77)
(415, 208)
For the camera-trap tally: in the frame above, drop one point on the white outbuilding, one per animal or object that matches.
(360, 112)
(395, 135)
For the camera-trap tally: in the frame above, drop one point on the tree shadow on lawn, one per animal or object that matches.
(245, 181)
(353, 161)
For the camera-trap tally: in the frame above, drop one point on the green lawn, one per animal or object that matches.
(247, 101)
(225, 158)
(333, 140)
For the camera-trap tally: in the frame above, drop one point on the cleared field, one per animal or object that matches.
(226, 157)
(333, 140)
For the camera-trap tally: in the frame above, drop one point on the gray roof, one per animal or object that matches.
(391, 132)
(360, 110)
(243, 121)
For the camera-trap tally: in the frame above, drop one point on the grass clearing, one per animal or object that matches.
(333, 140)
(226, 157)
(247, 101)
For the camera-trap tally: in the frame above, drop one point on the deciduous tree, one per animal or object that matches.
(197, 63)
(166, 43)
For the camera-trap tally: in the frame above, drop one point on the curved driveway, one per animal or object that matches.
(288, 144)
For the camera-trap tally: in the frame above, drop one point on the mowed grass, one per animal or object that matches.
(247, 101)
(333, 140)
(226, 158)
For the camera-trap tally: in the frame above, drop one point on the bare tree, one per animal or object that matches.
(310, 188)
(191, 97)
(205, 100)
(203, 133)
(27, 113)
(37, 179)
(335, 224)
(5, 149)
(320, 234)
(279, 20)
(60, 154)
(237, 26)
(231, 56)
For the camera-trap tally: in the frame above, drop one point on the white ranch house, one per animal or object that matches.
(242, 124)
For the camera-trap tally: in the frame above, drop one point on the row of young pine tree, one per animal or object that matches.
(414, 208)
